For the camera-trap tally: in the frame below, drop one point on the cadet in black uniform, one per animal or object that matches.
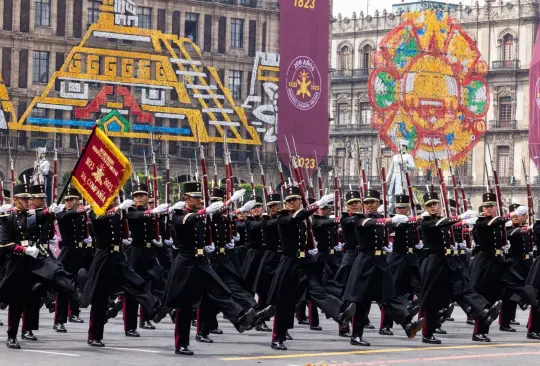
(254, 242)
(142, 254)
(370, 278)
(443, 275)
(27, 272)
(489, 274)
(110, 272)
(75, 252)
(293, 280)
(191, 279)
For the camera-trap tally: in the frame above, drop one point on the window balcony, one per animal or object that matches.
(358, 74)
(502, 124)
(339, 129)
(505, 64)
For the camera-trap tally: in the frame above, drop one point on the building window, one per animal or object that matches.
(503, 161)
(39, 112)
(367, 51)
(505, 112)
(145, 17)
(340, 159)
(345, 58)
(235, 84)
(237, 33)
(508, 47)
(40, 67)
(343, 113)
(365, 113)
(93, 12)
(43, 13)
(191, 27)
(386, 158)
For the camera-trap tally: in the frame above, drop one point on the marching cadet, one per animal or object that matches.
(443, 275)
(370, 278)
(533, 280)
(191, 279)
(5, 208)
(293, 276)
(110, 272)
(489, 273)
(75, 252)
(254, 242)
(517, 258)
(21, 246)
(270, 259)
(142, 254)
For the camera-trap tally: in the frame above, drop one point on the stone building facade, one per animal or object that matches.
(505, 34)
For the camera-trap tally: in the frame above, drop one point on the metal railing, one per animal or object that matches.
(505, 64)
(350, 127)
(354, 73)
(502, 124)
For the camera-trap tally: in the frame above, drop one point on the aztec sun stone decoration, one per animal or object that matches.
(428, 87)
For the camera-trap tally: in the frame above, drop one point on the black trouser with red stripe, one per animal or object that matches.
(182, 325)
(98, 317)
(65, 306)
(508, 312)
(395, 309)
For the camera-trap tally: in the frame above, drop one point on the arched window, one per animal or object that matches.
(345, 58)
(508, 48)
(367, 51)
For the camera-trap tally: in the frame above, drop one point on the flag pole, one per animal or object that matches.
(59, 198)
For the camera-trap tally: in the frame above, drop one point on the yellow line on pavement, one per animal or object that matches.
(376, 351)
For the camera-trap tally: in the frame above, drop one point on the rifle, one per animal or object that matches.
(411, 197)
(146, 175)
(11, 169)
(215, 183)
(298, 175)
(310, 184)
(530, 203)
(497, 186)
(251, 178)
(263, 178)
(86, 218)
(319, 176)
(444, 193)
(154, 187)
(384, 192)
(455, 188)
(168, 224)
(206, 193)
(229, 186)
(55, 171)
(281, 175)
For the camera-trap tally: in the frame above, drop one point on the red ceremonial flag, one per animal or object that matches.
(534, 103)
(101, 171)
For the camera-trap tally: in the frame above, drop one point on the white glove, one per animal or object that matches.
(468, 215)
(168, 242)
(420, 245)
(157, 242)
(160, 209)
(332, 216)
(388, 249)
(425, 213)
(531, 254)
(214, 207)
(380, 210)
(126, 204)
(237, 237)
(88, 240)
(508, 223)
(339, 247)
(248, 206)
(471, 221)
(180, 205)
(237, 195)
(325, 200)
(506, 247)
(210, 248)
(56, 209)
(399, 219)
(315, 243)
(5, 208)
(454, 247)
(463, 245)
(32, 251)
(313, 251)
(53, 240)
(127, 241)
(522, 210)
(230, 245)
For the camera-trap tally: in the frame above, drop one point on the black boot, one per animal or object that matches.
(244, 321)
(13, 344)
(278, 346)
(28, 335)
(507, 328)
(95, 343)
(132, 333)
(262, 328)
(184, 351)
(146, 325)
(288, 336)
(431, 340)
(203, 338)
(58, 327)
(386, 331)
(412, 328)
(75, 319)
(489, 315)
(347, 314)
(481, 338)
(533, 335)
(217, 331)
(358, 341)
(439, 331)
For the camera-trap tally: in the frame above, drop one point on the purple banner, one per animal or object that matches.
(303, 79)
(534, 103)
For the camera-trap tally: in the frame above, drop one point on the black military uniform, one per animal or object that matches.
(27, 276)
(348, 227)
(402, 261)
(371, 279)
(142, 256)
(254, 242)
(444, 277)
(296, 276)
(533, 280)
(76, 253)
(518, 259)
(192, 280)
(110, 273)
(490, 274)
